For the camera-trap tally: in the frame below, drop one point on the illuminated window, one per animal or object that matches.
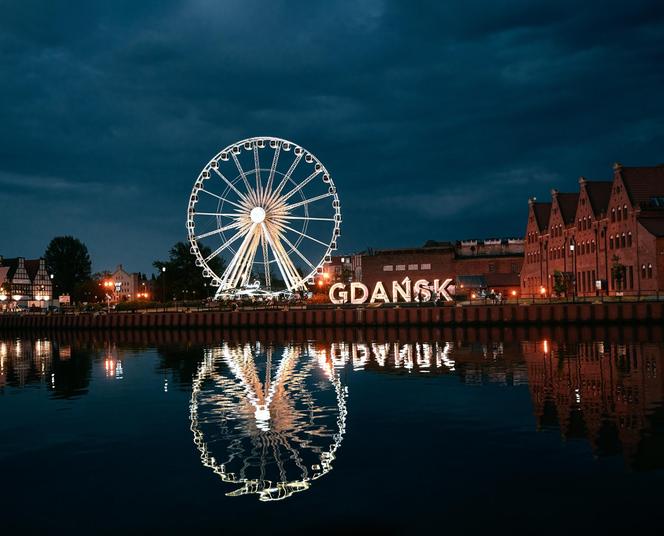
(426, 266)
(625, 211)
(611, 242)
(613, 214)
(650, 271)
(388, 268)
(629, 239)
(400, 267)
(413, 266)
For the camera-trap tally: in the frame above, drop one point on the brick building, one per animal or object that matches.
(606, 239)
(491, 264)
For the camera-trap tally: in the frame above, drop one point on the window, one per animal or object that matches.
(625, 211)
(492, 267)
(579, 224)
(592, 246)
(629, 239)
(649, 271)
(388, 268)
(619, 213)
(613, 214)
(611, 242)
(400, 267)
(515, 268)
(426, 266)
(643, 271)
(413, 266)
(631, 277)
(623, 243)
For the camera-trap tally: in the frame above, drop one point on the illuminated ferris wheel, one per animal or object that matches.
(270, 210)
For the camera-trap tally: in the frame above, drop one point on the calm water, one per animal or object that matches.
(462, 431)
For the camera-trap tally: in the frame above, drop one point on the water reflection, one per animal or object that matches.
(269, 420)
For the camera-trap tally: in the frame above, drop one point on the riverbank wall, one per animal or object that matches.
(474, 315)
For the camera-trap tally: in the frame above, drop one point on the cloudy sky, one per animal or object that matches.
(437, 119)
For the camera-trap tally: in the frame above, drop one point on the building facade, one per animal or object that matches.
(491, 264)
(24, 281)
(607, 239)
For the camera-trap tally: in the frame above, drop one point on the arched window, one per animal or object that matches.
(625, 211)
(643, 271)
(579, 224)
(592, 247)
(619, 213)
(623, 242)
(613, 214)
(649, 271)
(611, 242)
(629, 239)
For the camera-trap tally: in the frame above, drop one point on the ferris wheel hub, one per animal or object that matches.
(257, 214)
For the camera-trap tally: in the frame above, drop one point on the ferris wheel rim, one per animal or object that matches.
(272, 237)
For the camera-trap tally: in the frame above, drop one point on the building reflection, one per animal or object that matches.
(610, 394)
(266, 419)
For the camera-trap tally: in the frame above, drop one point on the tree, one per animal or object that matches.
(183, 278)
(559, 283)
(67, 259)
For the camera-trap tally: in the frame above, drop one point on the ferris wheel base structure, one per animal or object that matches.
(263, 212)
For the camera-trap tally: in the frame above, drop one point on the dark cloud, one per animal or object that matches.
(437, 119)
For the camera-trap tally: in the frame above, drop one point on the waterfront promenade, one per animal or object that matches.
(300, 316)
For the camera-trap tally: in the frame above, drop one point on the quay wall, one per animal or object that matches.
(475, 315)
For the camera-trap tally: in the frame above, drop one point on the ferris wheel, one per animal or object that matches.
(270, 210)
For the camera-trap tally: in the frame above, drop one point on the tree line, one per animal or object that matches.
(68, 260)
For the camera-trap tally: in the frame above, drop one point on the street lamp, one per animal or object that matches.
(573, 252)
(163, 286)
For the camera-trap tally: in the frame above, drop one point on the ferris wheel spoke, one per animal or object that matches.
(223, 199)
(273, 168)
(242, 173)
(231, 186)
(225, 214)
(238, 260)
(308, 201)
(257, 171)
(301, 185)
(307, 218)
(288, 264)
(234, 238)
(282, 260)
(244, 272)
(220, 230)
(266, 261)
(286, 177)
(297, 251)
(305, 235)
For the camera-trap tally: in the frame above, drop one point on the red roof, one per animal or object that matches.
(655, 226)
(599, 193)
(567, 203)
(643, 183)
(542, 212)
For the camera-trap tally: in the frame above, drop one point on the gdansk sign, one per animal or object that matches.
(421, 290)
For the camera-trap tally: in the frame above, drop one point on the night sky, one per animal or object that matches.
(436, 119)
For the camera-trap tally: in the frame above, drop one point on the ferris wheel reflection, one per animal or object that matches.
(267, 419)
